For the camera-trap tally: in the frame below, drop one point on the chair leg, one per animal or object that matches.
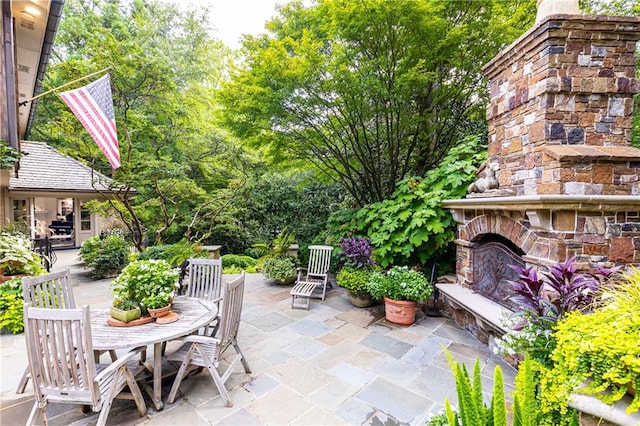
(34, 412)
(135, 392)
(245, 363)
(180, 375)
(22, 386)
(215, 375)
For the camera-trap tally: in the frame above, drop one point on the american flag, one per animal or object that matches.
(93, 105)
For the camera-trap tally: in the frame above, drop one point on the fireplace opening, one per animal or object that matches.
(493, 256)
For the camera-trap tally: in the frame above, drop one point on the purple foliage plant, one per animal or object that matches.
(357, 252)
(550, 295)
(544, 298)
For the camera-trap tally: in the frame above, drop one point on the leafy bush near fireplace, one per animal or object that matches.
(412, 226)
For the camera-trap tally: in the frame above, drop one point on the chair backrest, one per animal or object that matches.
(319, 260)
(60, 354)
(205, 278)
(49, 291)
(231, 310)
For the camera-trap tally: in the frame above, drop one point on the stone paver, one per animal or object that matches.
(333, 364)
(386, 344)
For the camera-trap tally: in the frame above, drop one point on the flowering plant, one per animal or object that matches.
(356, 252)
(399, 283)
(144, 279)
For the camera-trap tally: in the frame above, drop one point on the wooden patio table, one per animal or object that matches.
(194, 313)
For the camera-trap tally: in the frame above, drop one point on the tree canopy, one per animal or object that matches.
(181, 168)
(369, 92)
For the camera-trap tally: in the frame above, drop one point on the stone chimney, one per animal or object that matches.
(556, 7)
(560, 120)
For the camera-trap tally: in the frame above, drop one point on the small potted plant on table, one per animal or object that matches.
(149, 284)
(401, 288)
(356, 256)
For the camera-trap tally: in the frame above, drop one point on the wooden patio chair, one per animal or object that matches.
(199, 351)
(60, 353)
(204, 279)
(50, 291)
(313, 278)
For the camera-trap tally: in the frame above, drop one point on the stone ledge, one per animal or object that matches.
(486, 311)
(581, 153)
(551, 202)
(615, 413)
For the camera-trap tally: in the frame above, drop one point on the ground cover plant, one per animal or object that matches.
(235, 263)
(597, 352)
(11, 306)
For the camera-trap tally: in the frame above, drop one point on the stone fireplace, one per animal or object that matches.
(566, 178)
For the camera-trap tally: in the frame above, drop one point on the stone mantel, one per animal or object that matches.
(548, 202)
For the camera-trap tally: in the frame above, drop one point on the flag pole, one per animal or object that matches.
(23, 103)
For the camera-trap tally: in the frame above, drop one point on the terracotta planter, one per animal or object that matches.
(5, 278)
(360, 299)
(159, 312)
(400, 311)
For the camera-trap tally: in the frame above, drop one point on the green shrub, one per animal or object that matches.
(105, 255)
(175, 254)
(354, 280)
(236, 263)
(281, 268)
(412, 226)
(11, 304)
(16, 256)
(241, 261)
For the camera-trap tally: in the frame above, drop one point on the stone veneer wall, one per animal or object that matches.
(560, 109)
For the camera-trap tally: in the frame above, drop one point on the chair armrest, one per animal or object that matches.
(123, 360)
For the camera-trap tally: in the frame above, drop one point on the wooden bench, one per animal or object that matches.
(488, 314)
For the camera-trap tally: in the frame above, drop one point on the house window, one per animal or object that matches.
(20, 212)
(85, 218)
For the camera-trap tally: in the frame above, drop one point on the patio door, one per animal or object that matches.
(87, 223)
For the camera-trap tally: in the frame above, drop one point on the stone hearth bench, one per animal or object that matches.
(488, 314)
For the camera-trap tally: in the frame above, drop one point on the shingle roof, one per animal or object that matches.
(44, 168)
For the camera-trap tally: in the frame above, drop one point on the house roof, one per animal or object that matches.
(42, 168)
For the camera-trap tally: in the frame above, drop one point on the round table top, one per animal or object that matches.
(193, 313)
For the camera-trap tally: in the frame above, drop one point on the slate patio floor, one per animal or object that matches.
(331, 365)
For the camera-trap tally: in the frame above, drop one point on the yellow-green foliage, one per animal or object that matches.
(601, 349)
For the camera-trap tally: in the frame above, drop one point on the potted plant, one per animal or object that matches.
(147, 283)
(157, 305)
(401, 288)
(125, 310)
(282, 269)
(356, 256)
(17, 258)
